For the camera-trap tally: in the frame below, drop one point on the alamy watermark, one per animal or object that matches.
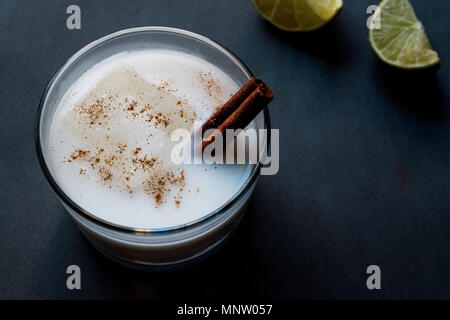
(73, 21)
(374, 280)
(74, 279)
(239, 146)
(374, 21)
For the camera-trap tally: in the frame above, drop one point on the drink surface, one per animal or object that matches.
(110, 140)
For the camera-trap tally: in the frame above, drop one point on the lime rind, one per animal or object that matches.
(401, 41)
(298, 15)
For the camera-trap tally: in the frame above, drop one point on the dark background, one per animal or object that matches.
(364, 173)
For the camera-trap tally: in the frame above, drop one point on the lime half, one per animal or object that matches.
(298, 15)
(399, 38)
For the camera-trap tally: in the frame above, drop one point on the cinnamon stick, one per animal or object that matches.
(218, 117)
(245, 112)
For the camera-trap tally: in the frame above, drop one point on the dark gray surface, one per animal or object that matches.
(365, 161)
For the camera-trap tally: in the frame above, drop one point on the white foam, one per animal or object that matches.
(160, 78)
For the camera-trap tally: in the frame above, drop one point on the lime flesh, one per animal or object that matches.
(298, 15)
(399, 38)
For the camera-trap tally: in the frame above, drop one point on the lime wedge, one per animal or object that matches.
(399, 38)
(298, 15)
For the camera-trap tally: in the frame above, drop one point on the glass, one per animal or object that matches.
(149, 248)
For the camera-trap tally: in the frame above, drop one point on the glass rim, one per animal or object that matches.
(145, 231)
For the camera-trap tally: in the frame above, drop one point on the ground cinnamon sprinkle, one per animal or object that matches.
(160, 183)
(78, 153)
(158, 118)
(210, 85)
(163, 85)
(105, 173)
(147, 107)
(132, 105)
(128, 167)
(145, 162)
(161, 118)
(137, 150)
(177, 200)
(166, 86)
(95, 112)
(122, 147)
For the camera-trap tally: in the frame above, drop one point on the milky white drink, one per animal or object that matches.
(110, 140)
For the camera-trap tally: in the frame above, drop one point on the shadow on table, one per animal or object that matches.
(329, 43)
(239, 269)
(414, 91)
(216, 276)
